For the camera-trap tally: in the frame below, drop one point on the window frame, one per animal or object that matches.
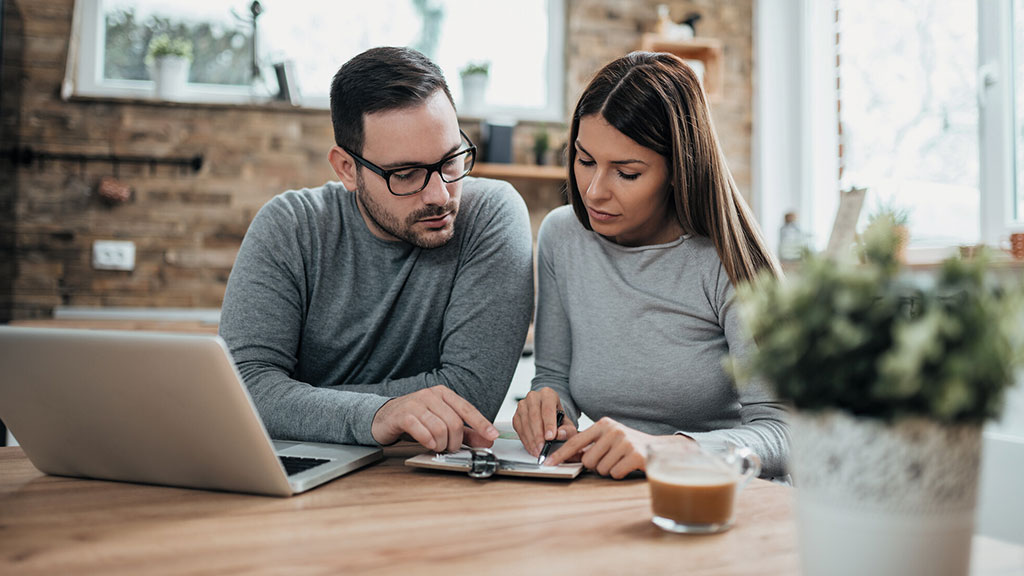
(795, 141)
(84, 73)
(997, 124)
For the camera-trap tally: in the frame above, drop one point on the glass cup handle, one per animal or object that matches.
(751, 465)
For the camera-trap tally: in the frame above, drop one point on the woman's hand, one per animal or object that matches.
(535, 418)
(610, 448)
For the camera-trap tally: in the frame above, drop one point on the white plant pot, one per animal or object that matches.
(474, 93)
(880, 499)
(170, 75)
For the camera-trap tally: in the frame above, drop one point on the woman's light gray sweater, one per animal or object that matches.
(640, 335)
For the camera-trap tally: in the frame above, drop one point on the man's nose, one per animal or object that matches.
(436, 191)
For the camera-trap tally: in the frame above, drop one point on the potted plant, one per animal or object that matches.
(170, 60)
(894, 216)
(541, 143)
(474, 77)
(891, 380)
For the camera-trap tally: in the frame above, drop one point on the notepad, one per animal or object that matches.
(512, 460)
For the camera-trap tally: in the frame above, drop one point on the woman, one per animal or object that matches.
(635, 311)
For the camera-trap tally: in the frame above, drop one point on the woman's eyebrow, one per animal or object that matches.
(629, 161)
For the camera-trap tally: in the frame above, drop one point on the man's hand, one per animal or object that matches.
(436, 417)
(535, 420)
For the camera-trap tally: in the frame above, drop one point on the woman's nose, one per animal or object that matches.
(597, 189)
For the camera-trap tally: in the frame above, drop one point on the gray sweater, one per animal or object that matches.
(326, 321)
(640, 335)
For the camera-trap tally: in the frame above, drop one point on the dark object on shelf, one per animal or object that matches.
(287, 88)
(26, 156)
(691, 21)
(498, 142)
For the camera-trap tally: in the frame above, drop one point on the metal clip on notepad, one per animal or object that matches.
(483, 463)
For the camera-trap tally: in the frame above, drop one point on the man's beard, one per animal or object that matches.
(405, 231)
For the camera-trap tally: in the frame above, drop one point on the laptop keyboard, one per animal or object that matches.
(293, 464)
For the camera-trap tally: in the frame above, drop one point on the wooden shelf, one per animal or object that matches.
(706, 50)
(520, 171)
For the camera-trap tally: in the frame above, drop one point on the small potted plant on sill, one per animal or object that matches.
(474, 77)
(896, 217)
(170, 60)
(891, 380)
(541, 143)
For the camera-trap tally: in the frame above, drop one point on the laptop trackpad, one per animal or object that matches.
(282, 445)
(319, 450)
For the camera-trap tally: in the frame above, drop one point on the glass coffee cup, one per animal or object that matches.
(694, 490)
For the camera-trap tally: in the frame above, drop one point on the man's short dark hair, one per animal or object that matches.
(385, 78)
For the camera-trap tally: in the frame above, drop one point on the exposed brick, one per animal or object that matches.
(187, 226)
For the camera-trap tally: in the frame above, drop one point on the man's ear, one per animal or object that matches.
(344, 166)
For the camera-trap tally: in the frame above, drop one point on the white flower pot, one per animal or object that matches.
(170, 75)
(879, 499)
(474, 93)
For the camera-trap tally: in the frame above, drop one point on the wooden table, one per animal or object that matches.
(390, 519)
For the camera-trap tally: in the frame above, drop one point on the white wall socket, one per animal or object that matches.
(113, 255)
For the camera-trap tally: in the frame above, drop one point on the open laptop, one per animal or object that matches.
(154, 408)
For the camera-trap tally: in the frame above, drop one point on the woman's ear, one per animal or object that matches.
(344, 166)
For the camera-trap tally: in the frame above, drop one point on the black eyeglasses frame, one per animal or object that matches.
(430, 168)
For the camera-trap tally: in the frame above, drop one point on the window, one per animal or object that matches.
(909, 114)
(113, 37)
(522, 41)
(931, 107)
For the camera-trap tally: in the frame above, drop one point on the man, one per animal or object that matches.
(396, 302)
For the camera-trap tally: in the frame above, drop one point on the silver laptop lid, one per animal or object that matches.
(141, 407)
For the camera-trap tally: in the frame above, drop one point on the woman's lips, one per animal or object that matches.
(600, 216)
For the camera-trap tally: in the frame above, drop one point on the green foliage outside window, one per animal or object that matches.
(219, 55)
(164, 45)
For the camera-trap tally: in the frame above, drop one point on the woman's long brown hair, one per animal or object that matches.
(656, 100)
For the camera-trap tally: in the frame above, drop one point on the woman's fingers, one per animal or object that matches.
(535, 419)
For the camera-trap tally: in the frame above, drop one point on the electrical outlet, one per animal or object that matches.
(113, 255)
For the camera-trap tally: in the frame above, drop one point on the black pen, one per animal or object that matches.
(547, 445)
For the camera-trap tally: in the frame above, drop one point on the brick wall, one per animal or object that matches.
(187, 226)
(601, 30)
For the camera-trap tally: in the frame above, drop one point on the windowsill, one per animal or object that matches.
(555, 174)
(259, 105)
(931, 259)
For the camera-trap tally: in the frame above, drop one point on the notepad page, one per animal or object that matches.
(507, 449)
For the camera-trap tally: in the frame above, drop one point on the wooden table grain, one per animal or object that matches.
(385, 519)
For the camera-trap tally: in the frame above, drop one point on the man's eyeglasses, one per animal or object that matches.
(409, 180)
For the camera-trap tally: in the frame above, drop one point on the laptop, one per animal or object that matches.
(154, 408)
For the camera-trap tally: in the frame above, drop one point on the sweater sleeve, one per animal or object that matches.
(763, 427)
(261, 320)
(552, 336)
(488, 314)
